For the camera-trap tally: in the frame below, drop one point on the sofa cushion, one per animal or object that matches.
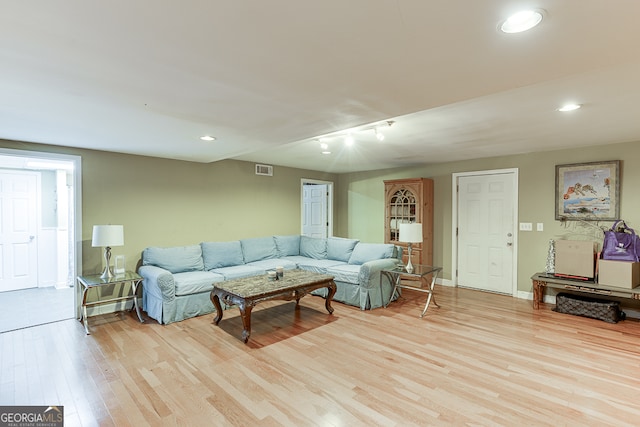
(258, 248)
(238, 271)
(175, 259)
(221, 254)
(347, 273)
(316, 265)
(193, 282)
(364, 252)
(340, 249)
(287, 245)
(271, 264)
(313, 247)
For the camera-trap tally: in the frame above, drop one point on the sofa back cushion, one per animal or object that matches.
(364, 252)
(340, 249)
(221, 254)
(176, 259)
(313, 247)
(287, 245)
(258, 248)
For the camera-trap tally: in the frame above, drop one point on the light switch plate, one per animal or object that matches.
(526, 226)
(540, 227)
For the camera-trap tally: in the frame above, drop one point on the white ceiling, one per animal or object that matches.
(267, 78)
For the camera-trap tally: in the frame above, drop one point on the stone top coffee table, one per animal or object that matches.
(249, 291)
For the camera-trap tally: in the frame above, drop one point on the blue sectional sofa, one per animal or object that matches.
(177, 281)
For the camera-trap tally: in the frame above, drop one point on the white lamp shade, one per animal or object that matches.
(107, 235)
(410, 233)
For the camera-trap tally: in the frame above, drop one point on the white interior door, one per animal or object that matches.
(18, 226)
(315, 210)
(486, 219)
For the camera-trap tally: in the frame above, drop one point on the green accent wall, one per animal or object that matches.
(165, 202)
(363, 194)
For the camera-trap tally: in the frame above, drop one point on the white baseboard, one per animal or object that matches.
(113, 307)
(445, 282)
(548, 299)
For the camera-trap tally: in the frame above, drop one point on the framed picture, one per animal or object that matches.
(588, 191)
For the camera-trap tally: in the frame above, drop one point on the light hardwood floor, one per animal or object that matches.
(479, 360)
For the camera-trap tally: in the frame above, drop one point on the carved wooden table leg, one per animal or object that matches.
(332, 291)
(538, 293)
(249, 291)
(245, 314)
(216, 303)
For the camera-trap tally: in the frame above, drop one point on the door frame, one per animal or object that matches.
(77, 188)
(329, 184)
(454, 222)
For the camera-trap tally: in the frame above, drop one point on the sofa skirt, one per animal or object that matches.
(365, 299)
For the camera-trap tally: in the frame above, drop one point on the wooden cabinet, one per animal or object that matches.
(407, 201)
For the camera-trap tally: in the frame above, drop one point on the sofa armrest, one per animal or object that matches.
(369, 275)
(158, 282)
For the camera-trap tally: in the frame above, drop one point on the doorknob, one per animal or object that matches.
(509, 239)
(31, 238)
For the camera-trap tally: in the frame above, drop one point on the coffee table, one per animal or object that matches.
(247, 292)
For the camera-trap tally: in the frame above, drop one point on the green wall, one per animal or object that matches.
(164, 202)
(363, 194)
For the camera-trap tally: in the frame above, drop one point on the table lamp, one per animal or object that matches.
(410, 233)
(107, 236)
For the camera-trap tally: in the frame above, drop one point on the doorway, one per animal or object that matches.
(40, 199)
(18, 227)
(485, 244)
(317, 208)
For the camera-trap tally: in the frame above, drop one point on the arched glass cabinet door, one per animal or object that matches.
(402, 205)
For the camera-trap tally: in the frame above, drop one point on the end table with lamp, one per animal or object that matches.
(96, 281)
(417, 279)
(107, 236)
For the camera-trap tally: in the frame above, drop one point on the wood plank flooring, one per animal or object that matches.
(479, 360)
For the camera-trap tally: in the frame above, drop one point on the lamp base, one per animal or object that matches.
(107, 274)
(409, 266)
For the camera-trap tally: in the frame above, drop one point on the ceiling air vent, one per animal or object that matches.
(266, 170)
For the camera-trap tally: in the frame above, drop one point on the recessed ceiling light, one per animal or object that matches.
(521, 21)
(348, 140)
(326, 152)
(569, 107)
(208, 138)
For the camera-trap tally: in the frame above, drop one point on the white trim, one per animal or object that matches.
(77, 186)
(454, 222)
(548, 299)
(445, 282)
(329, 184)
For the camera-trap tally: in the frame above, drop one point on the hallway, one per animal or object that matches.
(35, 306)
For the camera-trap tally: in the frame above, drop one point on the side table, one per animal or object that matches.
(95, 281)
(545, 280)
(419, 272)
